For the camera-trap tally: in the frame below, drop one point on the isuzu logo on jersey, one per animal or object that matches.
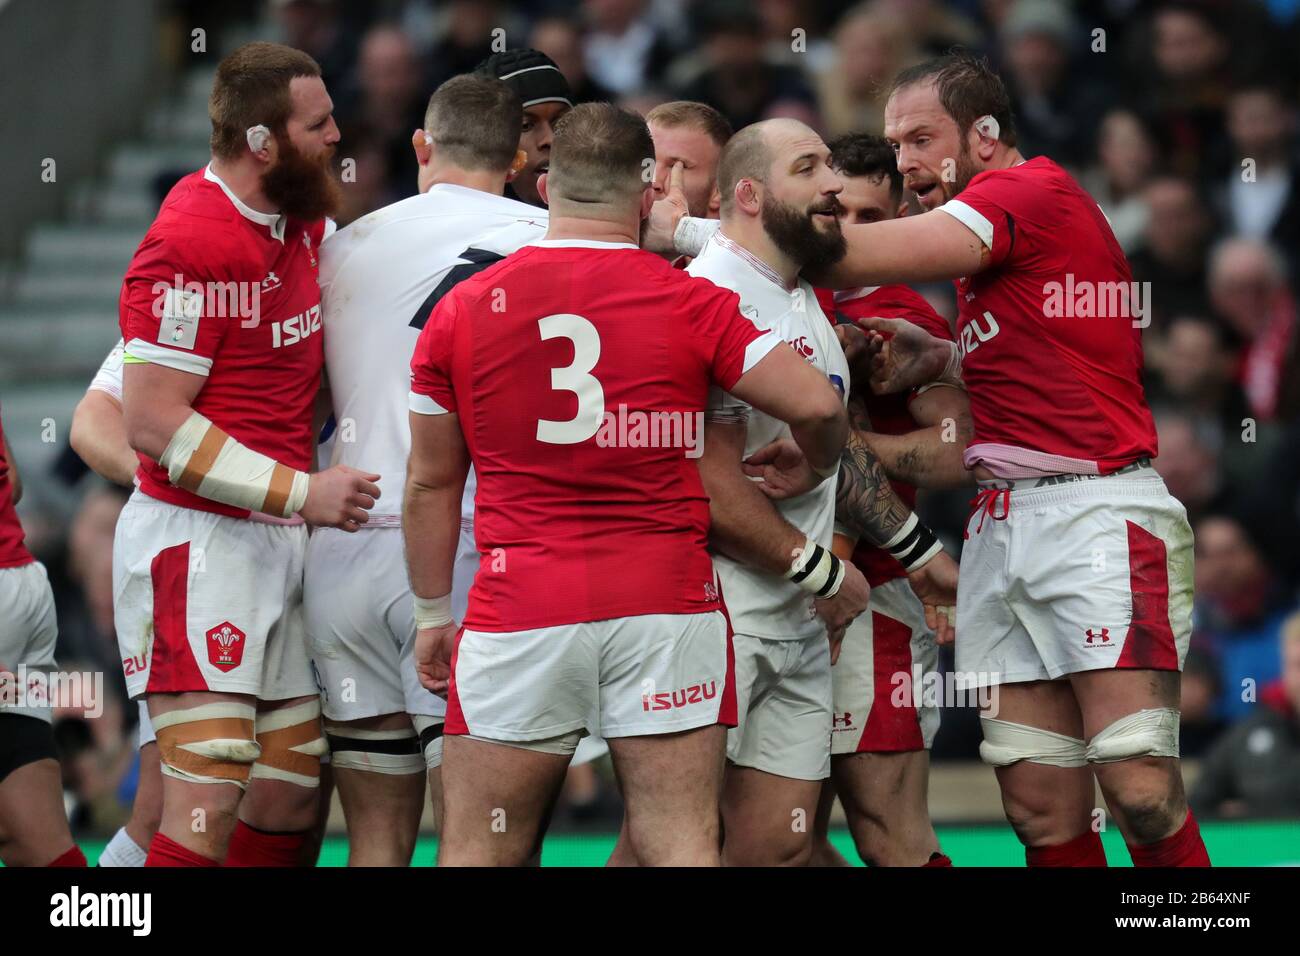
(225, 646)
(295, 328)
(693, 694)
(973, 333)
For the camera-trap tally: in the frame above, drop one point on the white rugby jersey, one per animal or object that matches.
(762, 604)
(380, 278)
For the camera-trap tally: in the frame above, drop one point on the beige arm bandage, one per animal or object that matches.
(203, 459)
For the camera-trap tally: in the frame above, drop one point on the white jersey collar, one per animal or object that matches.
(753, 261)
(273, 221)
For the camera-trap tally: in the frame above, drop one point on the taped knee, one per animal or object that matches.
(211, 743)
(430, 731)
(1006, 743)
(1147, 733)
(291, 743)
(393, 751)
(24, 739)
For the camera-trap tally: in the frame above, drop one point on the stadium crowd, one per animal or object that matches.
(1180, 118)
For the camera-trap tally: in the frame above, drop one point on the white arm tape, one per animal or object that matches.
(951, 374)
(691, 234)
(914, 544)
(433, 612)
(816, 570)
(203, 459)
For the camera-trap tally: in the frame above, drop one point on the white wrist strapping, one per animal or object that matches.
(691, 234)
(951, 374)
(433, 612)
(914, 544)
(816, 570)
(203, 459)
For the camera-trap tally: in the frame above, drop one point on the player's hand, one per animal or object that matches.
(935, 583)
(340, 497)
(433, 647)
(853, 340)
(902, 355)
(783, 468)
(839, 612)
(665, 214)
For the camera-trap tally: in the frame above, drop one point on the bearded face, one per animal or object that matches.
(303, 187)
(810, 236)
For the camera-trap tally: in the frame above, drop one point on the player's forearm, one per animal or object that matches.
(882, 253)
(864, 498)
(431, 530)
(745, 525)
(922, 457)
(98, 435)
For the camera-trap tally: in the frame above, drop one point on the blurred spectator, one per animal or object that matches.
(934, 26)
(1259, 195)
(1198, 700)
(736, 79)
(1250, 290)
(316, 27)
(870, 50)
(561, 40)
(1056, 114)
(1254, 769)
(1172, 255)
(1240, 609)
(464, 38)
(387, 98)
(623, 47)
(86, 630)
(1189, 48)
(1188, 461)
(784, 22)
(1126, 156)
(366, 182)
(1196, 368)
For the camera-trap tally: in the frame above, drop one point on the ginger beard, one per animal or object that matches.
(301, 186)
(795, 232)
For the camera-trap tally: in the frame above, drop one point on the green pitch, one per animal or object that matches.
(1230, 844)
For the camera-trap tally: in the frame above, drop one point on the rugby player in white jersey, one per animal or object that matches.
(380, 278)
(785, 591)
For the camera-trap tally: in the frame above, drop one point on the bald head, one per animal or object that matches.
(750, 153)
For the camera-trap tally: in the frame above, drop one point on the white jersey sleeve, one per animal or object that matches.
(109, 377)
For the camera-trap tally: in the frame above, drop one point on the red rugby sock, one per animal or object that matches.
(1083, 850)
(252, 847)
(1183, 848)
(164, 851)
(73, 857)
(938, 859)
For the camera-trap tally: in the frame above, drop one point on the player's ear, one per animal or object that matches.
(260, 142)
(541, 187)
(517, 165)
(715, 202)
(747, 197)
(903, 208)
(422, 143)
(647, 200)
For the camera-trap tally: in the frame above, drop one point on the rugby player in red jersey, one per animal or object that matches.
(575, 374)
(220, 313)
(33, 825)
(1076, 576)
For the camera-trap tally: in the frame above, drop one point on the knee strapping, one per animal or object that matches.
(393, 751)
(1006, 743)
(292, 744)
(211, 743)
(1147, 733)
(430, 731)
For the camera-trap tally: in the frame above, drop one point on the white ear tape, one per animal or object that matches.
(257, 136)
(428, 139)
(988, 127)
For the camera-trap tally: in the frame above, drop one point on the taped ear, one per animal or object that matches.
(988, 127)
(258, 136)
(517, 165)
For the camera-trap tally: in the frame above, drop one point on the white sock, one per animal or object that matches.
(122, 851)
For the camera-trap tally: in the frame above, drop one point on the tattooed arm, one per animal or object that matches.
(929, 456)
(864, 499)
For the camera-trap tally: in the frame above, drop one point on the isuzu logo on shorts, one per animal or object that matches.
(693, 694)
(225, 646)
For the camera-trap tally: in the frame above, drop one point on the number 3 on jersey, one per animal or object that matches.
(575, 378)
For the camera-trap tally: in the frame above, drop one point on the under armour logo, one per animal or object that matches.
(1101, 636)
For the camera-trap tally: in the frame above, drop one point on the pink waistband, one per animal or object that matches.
(1008, 461)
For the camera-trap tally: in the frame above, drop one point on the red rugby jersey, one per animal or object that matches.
(223, 291)
(889, 413)
(12, 550)
(580, 372)
(1051, 348)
